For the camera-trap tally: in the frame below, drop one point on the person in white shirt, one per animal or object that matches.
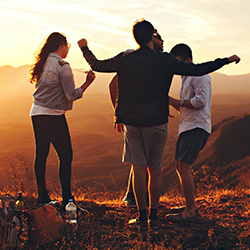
(194, 129)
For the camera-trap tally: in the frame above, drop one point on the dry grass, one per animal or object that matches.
(223, 222)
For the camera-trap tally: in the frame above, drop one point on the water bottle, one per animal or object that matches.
(19, 202)
(71, 213)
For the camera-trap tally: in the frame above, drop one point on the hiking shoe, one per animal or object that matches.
(129, 199)
(176, 210)
(42, 196)
(141, 225)
(43, 199)
(154, 224)
(178, 218)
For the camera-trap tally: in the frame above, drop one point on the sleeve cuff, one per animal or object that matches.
(84, 48)
(193, 102)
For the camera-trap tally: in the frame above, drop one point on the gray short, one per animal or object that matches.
(144, 145)
(189, 144)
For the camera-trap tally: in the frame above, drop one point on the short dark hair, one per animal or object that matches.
(143, 31)
(182, 50)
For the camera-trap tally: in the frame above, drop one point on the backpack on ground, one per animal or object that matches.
(15, 225)
(18, 233)
(7, 205)
(7, 209)
(46, 224)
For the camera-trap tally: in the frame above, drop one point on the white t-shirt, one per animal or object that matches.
(197, 89)
(39, 110)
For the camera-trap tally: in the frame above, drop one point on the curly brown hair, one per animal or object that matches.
(51, 44)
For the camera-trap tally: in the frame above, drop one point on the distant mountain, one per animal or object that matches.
(226, 155)
(221, 84)
(227, 152)
(229, 141)
(97, 146)
(235, 84)
(16, 80)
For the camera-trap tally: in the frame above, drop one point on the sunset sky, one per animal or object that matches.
(212, 28)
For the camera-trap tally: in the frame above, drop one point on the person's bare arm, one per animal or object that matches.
(89, 79)
(175, 103)
(113, 90)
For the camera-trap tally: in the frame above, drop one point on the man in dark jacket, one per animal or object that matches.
(144, 79)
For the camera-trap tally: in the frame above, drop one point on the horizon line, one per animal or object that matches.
(24, 65)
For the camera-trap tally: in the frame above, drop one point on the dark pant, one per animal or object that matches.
(53, 129)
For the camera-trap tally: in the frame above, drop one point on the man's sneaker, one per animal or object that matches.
(141, 225)
(176, 210)
(154, 224)
(129, 199)
(54, 203)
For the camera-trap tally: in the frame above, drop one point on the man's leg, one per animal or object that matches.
(129, 197)
(186, 179)
(140, 189)
(130, 181)
(154, 191)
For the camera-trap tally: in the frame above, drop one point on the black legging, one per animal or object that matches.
(53, 129)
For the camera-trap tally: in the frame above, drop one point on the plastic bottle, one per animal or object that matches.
(19, 202)
(71, 213)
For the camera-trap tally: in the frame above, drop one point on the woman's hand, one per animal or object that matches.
(90, 77)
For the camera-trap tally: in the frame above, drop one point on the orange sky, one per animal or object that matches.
(211, 28)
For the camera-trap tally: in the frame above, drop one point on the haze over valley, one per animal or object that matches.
(98, 147)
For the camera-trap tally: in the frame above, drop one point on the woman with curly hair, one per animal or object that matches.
(54, 95)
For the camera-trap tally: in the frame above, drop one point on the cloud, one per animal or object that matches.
(205, 25)
(11, 13)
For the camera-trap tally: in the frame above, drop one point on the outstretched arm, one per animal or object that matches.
(108, 65)
(190, 69)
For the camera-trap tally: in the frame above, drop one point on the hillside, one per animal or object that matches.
(221, 172)
(97, 146)
(16, 80)
(228, 151)
(230, 141)
(226, 155)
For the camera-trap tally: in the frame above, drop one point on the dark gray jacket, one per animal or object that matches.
(144, 79)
